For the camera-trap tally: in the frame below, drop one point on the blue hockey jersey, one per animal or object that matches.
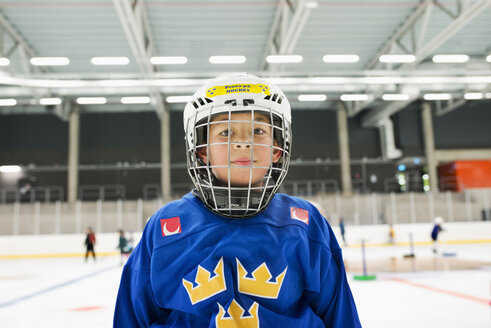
(194, 268)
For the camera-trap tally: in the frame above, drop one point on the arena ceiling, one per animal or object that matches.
(145, 34)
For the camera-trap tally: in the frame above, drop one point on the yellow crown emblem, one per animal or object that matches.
(206, 287)
(237, 318)
(260, 284)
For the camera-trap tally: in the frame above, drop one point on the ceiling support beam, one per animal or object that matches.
(18, 43)
(422, 49)
(134, 20)
(450, 105)
(288, 24)
(25, 52)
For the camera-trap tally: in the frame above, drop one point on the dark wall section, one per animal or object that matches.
(364, 142)
(135, 138)
(466, 127)
(39, 139)
(408, 131)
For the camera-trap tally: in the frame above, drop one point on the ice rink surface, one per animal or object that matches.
(427, 291)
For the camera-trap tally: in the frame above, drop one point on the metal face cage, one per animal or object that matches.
(218, 184)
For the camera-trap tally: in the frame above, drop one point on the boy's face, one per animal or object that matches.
(256, 132)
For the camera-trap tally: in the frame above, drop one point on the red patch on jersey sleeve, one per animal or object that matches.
(299, 214)
(170, 226)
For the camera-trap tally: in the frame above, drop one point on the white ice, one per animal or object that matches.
(67, 292)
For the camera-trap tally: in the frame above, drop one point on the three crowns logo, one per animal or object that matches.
(206, 287)
(237, 318)
(260, 284)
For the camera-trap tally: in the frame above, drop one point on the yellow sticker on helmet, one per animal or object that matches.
(221, 90)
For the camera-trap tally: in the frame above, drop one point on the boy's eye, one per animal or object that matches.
(259, 131)
(224, 133)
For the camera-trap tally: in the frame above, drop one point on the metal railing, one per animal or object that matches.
(34, 194)
(103, 192)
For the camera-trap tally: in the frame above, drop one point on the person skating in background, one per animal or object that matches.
(89, 243)
(391, 234)
(343, 230)
(124, 246)
(437, 228)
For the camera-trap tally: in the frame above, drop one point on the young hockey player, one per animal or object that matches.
(234, 252)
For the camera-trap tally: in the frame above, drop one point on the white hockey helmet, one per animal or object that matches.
(236, 93)
(438, 220)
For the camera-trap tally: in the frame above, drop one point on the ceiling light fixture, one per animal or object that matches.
(437, 96)
(135, 100)
(312, 4)
(10, 168)
(8, 102)
(227, 59)
(354, 97)
(4, 61)
(397, 58)
(284, 59)
(91, 100)
(169, 60)
(49, 61)
(49, 101)
(312, 97)
(178, 99)
(450, 58)
(341, 58)
(473, 95)
(110, 60)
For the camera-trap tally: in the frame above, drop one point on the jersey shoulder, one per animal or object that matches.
(178, 219)
(302, 213)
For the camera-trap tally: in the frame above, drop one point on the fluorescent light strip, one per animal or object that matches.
(473, 95)
(135, 100)
(110, 60)
(312, 4)
(4, 61)
(437, 96)
(10, 168)
(50, 101)
(450, 58)
(397, 58)
(178, 99)
(91, 100)
(284, 59)
(354, 97)
(312, 97)
(341, 58)
(8, 102)
(50, 61)
(169, 60)
(227, 59)
(488, 58)
(395, 96)
(487, 95)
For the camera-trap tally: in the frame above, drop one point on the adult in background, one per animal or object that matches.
(89, 243)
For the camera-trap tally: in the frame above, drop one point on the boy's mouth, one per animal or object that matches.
(242, 161)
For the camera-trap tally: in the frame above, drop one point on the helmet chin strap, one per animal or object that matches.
(238, 203)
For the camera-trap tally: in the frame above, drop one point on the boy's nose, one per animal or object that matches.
(242, 145)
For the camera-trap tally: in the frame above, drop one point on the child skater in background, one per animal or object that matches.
(89, 243)
(125, 247)
(437, 228)
(233, 252)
